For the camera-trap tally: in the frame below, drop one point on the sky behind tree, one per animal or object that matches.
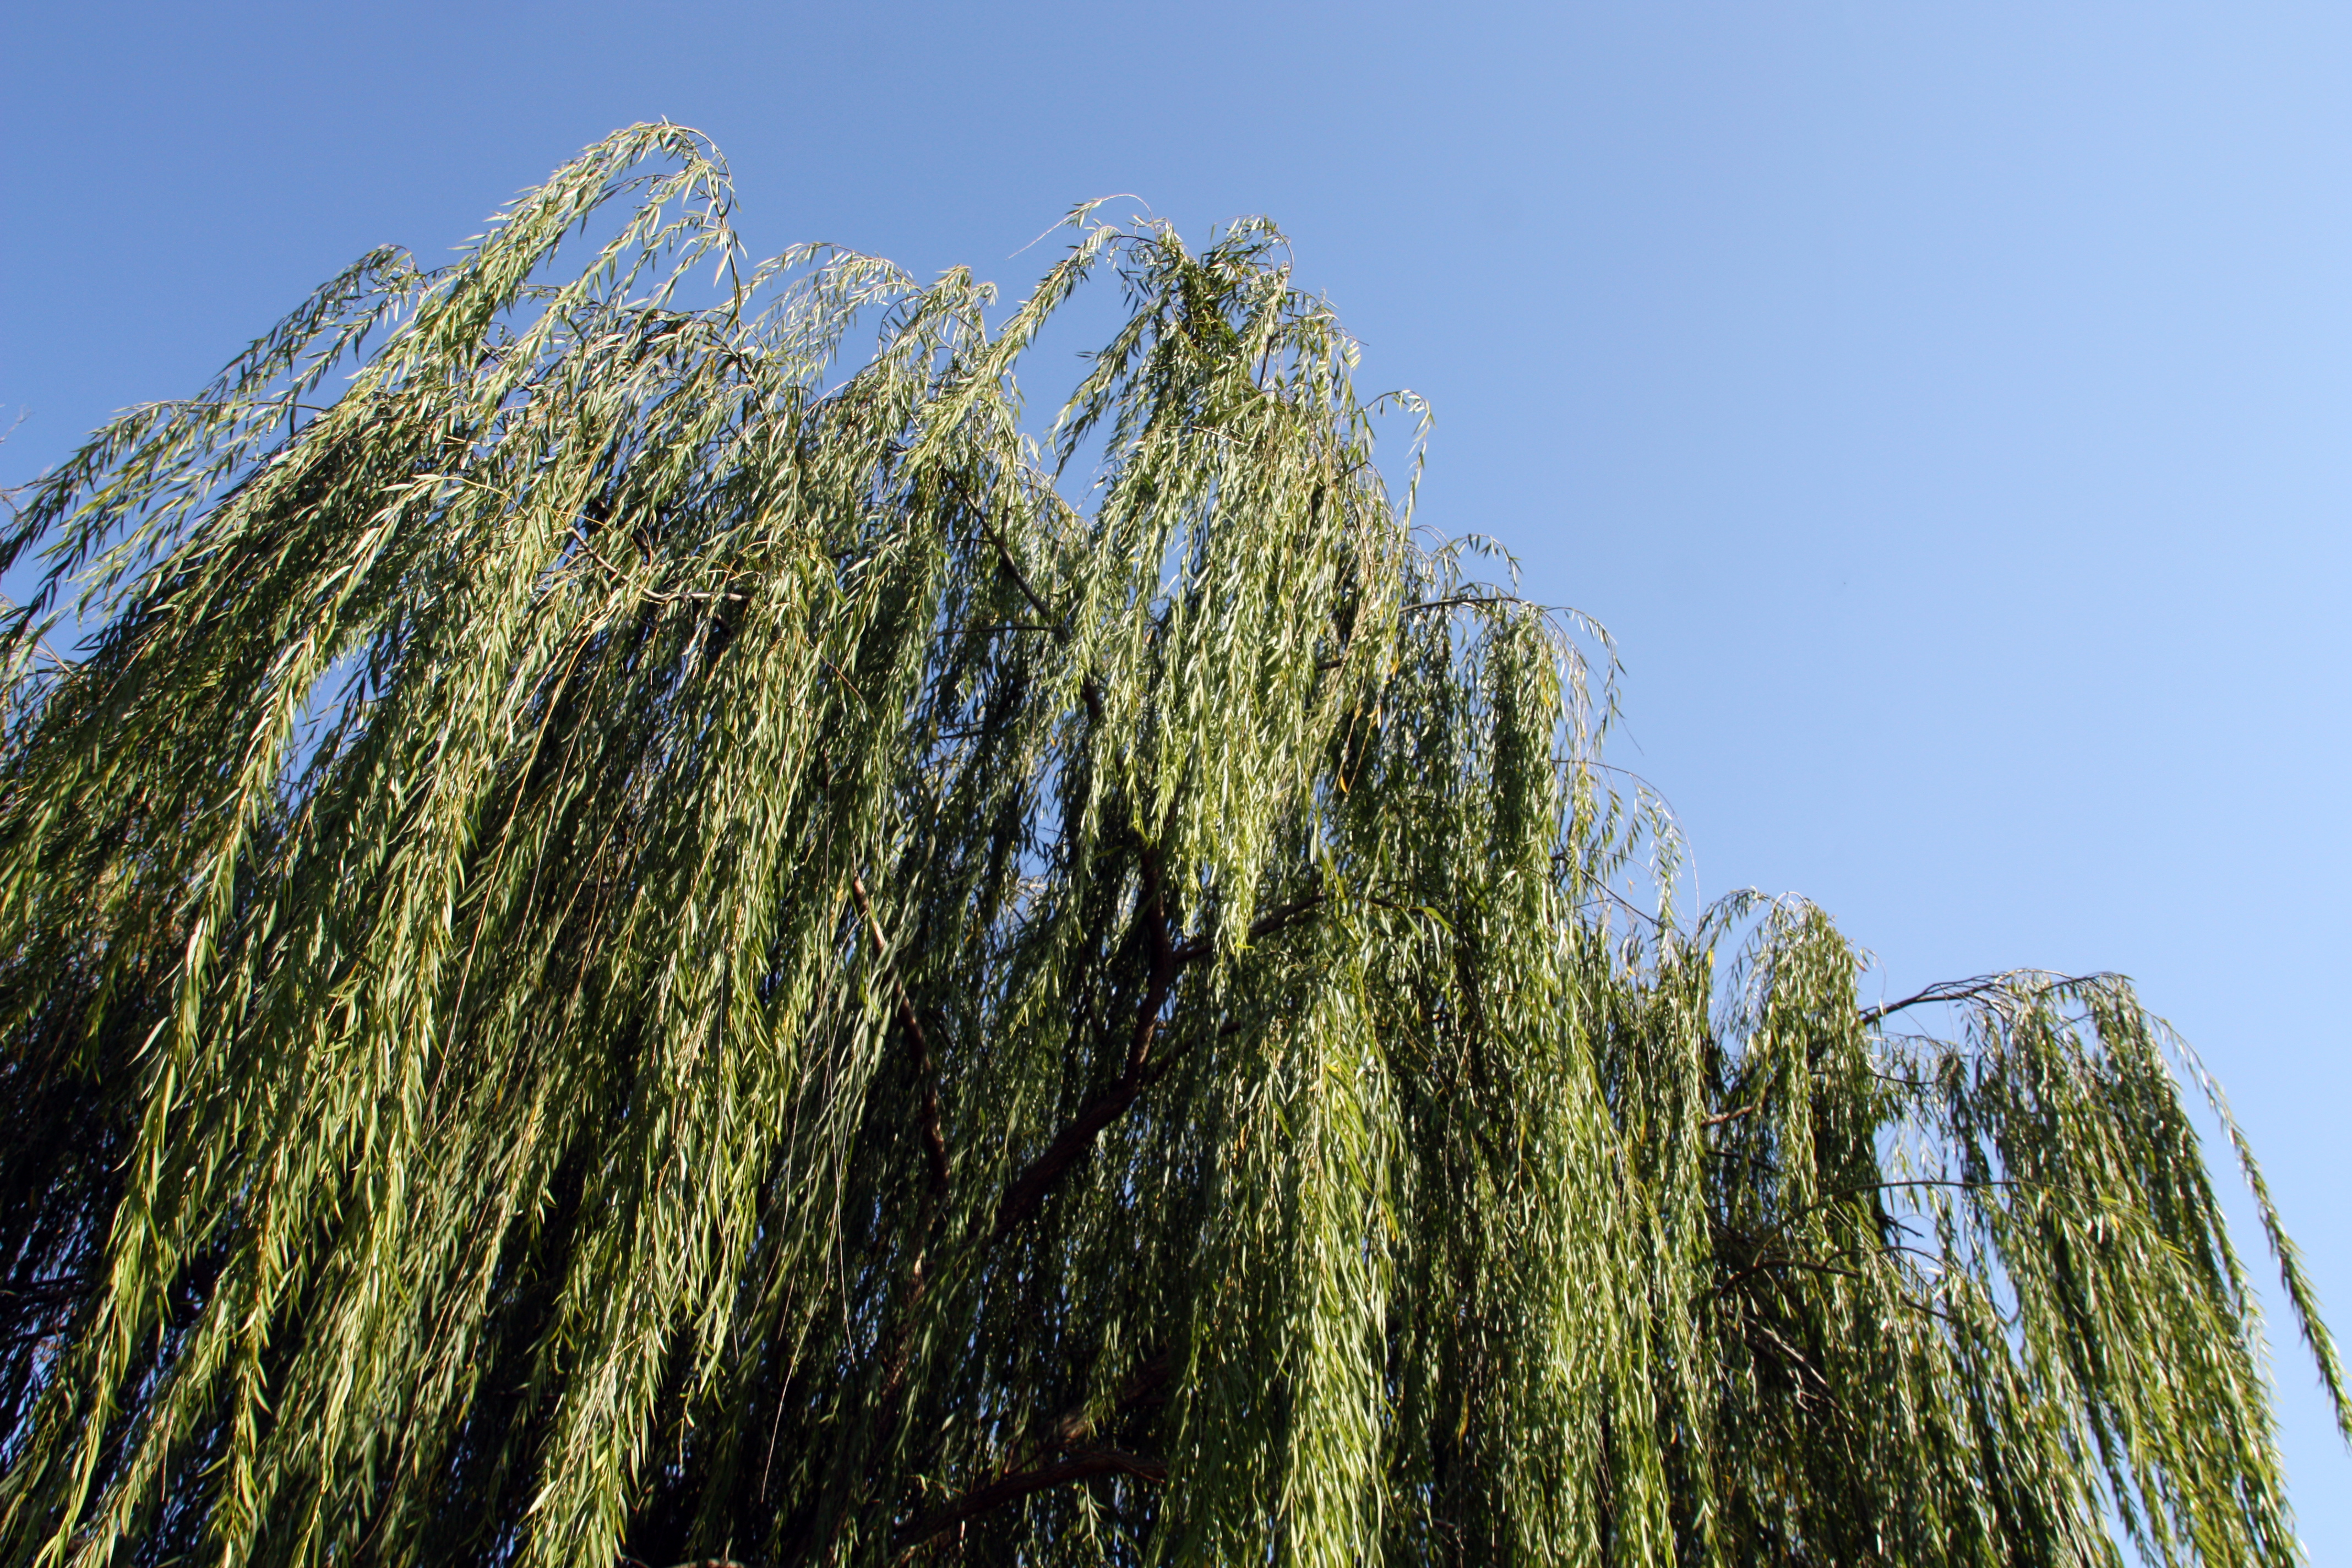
(1943, 407)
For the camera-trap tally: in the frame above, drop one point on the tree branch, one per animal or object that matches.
(1029, 1189)
(1265, 925)
(1075, 1425)
(1004, 554)
(1057, 625)
(1013, 1487)
(1461, 600)
(1961, 991)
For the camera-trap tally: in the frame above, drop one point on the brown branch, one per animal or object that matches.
(1163, 961)
(1949, 991)
(1063, 1434)
(1463, 601)
(1004, 554)
(1265, 925)
(1859, 1188)
(1029, 1189)
(1765, 1265)
(595, 555)
(1013, 1487)
(1075, 1425)
(991, 628)
(1057, 625)
(1161, 1064)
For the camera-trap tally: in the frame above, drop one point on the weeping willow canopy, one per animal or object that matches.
(624, 936)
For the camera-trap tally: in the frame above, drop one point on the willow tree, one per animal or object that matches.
(629, 935)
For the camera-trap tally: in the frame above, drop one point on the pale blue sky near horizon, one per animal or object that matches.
(1945, 406)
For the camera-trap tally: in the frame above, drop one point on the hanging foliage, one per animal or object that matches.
(629, 935)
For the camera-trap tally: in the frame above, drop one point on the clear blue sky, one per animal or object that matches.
(1945, 405)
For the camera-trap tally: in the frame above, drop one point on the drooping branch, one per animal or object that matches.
(1960, 991)
(1465, 601)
